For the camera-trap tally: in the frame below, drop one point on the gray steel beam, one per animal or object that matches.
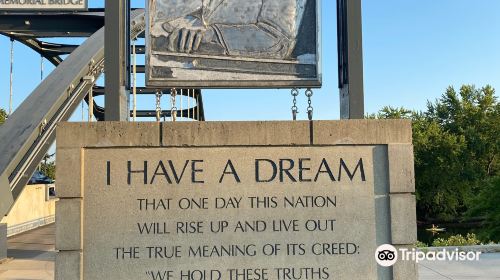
(193, 113)
(151, 91)
(24, 138)
(36, 45)
(53, 49)
(195, 94)
(117, 53)
(350, 48)
(60, 49)
(140, 49)
(141, 68)
(28, 133)
(81, 24)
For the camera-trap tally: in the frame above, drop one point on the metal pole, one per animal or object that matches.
(41, 68)
(189, 104)
(117, 57)
(197, 106)
(350, 48)
(134, 82)
(91, 103)
(11, 73)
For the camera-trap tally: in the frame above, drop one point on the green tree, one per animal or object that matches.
(473, 114)
(440, 189)
(487, 205)
(389, 112)
(456, 147)
(456, 150)
(48, 167)
(3, 116)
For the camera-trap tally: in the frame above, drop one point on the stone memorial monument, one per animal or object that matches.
(294, 200)
(234, 200)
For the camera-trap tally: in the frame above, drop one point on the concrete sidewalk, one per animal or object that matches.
(487, 268)
(32, 257)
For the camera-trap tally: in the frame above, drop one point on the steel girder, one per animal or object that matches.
(51, 24)
(30, 131)
(27, 28)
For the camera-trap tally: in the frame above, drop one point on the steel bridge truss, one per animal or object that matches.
(30, 130)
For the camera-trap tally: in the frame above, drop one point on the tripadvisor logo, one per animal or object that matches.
(387, 255)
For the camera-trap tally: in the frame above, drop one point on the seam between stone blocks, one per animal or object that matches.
(161, 134)
(413, 193)
(82, 170)
(389, 204)
(311, 133)
(69, 251)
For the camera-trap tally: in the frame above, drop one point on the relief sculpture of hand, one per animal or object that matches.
(187, 34)
(185, 40)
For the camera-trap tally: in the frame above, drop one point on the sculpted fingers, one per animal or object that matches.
(184, 40)
(197, 40)
(190, 41)
(182, 44)
(172, 40)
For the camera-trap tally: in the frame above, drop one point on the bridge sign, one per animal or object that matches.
(72, 5)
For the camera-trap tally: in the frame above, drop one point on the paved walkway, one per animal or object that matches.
(487, 268)
(32, 258)
(31, 255)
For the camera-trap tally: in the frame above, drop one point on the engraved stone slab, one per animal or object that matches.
(229, 210)
(233, 43)
(232, 200)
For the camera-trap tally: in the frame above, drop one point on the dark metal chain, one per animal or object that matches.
(158, 106)
(295, 109)
(310, 109)
(173, 111)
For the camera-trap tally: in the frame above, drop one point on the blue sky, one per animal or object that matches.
(413, 50)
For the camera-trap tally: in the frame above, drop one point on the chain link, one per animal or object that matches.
(310, 109)
(295, 109)
(158, 106)
(173, 111)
